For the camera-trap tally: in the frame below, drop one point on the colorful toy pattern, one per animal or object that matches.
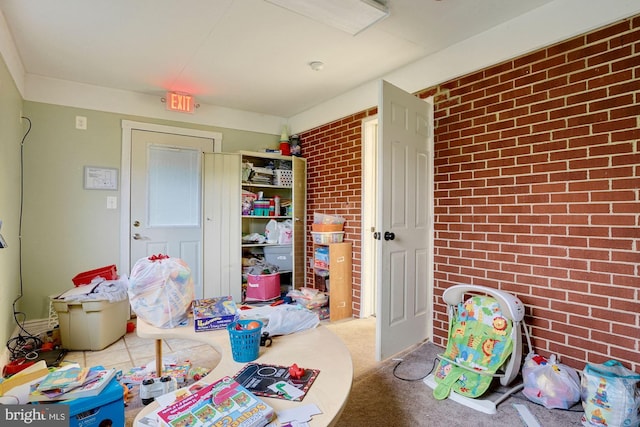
(479, 340)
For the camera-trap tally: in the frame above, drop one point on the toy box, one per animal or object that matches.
(214, 313)
(263, 287)
(92, 411)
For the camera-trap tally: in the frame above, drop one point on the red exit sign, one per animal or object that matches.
(180, 102)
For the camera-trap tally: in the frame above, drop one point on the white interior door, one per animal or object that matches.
(404, 220)
(166, 198)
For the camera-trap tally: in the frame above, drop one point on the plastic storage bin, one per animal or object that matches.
(91, 325)
(280, 256)
(93, 411)
(327, 237)
(263, 287)
(282, 177)
(108, 273)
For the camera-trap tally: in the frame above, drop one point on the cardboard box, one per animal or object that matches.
(263, 287)
(280, 256)
(214, 313)
(91, 325)
(91, 411)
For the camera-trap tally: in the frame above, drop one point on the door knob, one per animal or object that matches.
(137, 236)
(376, 235)
(389, 235)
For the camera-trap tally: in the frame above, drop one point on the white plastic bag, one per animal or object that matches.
(161, 290)
(610, 395)
(548, 383)
(285, 232)
(282, 319)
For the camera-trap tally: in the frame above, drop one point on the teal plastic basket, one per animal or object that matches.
(245, 343)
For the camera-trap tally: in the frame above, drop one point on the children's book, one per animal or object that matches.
(63, 379)
(96, 380)
(225, 402)
(276, 381)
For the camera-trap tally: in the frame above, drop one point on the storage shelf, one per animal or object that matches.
(248, 184)
(262, 245)
(267, 216)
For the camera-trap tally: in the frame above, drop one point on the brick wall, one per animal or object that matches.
(334, 183)
(537, 190)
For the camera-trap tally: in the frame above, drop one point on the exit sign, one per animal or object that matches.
(180, 102)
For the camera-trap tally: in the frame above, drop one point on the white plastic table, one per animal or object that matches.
(317, 348)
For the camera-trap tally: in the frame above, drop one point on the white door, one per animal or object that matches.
(166, 193)
(404, 220)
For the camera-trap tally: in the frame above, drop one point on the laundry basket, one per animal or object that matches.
(245, 343)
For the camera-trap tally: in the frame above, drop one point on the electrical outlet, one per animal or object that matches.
(81, 122)
(112, 202)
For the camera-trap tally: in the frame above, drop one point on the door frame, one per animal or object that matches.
(128, 127)
(369, 203)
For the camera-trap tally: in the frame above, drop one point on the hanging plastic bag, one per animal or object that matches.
(271, 231)
(548, 383)
(161, 290)
(610, 395)
(285, 232)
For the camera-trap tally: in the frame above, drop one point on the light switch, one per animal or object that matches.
(112, 202)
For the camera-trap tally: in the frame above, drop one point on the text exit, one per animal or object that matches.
(180, 102)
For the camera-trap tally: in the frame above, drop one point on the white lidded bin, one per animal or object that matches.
(91, 325)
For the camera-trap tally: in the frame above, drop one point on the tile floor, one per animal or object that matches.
(131, 350)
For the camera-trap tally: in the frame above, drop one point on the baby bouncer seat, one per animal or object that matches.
(485, 342)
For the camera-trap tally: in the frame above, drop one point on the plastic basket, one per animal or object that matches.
(108, 273)
(245, 343)
(327, 237)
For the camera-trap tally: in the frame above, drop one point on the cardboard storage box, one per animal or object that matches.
(263, 287)
(91, 325)
(280, 256)
(214, 313)
(91, 411)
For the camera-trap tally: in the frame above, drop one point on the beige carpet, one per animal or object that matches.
(380, 398)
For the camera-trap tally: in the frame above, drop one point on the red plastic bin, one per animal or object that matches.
(108, 273)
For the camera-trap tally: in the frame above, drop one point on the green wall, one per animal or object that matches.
(11, 130)
(68, 229)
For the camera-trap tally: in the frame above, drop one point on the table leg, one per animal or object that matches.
(159, 358)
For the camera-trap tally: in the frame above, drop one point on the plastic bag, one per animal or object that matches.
(282, 319)
(551, 384)
(309, 297)
(285, 232)
(610, 395)
(161, 290)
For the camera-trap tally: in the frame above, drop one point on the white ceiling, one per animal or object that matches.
(243, 54)
(247, 61)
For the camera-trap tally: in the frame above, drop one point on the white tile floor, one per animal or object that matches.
(131, 350)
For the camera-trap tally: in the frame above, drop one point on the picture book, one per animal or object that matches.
(64, 379)
(95, 381)
(276, 381)
(224, 402)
